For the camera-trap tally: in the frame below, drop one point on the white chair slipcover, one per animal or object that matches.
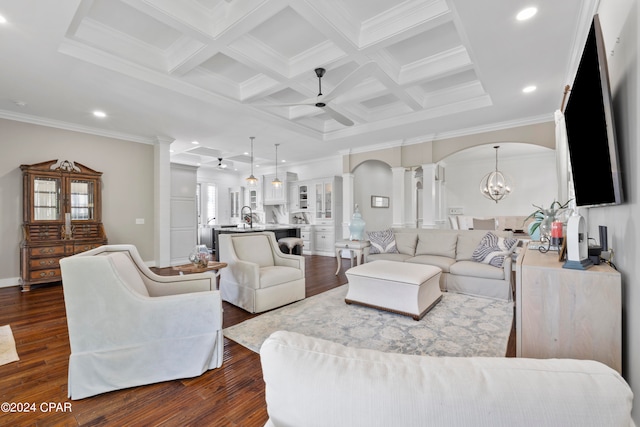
(130, 327)
(259, 276)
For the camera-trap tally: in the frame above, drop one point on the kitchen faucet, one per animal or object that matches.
(250, 217)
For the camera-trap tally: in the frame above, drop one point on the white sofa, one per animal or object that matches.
(451, 251)
(130, 327)
(259, 276)
(312, 382)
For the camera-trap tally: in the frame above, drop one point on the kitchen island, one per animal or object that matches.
(209, 235)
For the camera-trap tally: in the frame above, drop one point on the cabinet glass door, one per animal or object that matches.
(253, 199)
(319, 200)
(327, 200)
(302, 197)
(81, 203)
(46, 199)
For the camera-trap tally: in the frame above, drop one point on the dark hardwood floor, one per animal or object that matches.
(232, 395)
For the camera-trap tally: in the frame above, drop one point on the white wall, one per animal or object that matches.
(127, 192)
(534, 179)
(373, 178)
(620, 21)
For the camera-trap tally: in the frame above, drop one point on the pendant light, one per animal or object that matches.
(495, 185)
(276, 182)
(252, 180)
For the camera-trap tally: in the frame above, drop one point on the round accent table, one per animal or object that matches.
(359, 248)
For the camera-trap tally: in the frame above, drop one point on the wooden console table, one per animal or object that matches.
(564, 313)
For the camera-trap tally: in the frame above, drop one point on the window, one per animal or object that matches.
(206, 202)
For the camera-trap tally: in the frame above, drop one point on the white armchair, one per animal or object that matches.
(259, 276)
(130, 327)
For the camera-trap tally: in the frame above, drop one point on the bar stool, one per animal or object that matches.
(291, 242)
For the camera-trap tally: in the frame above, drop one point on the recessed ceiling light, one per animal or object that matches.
(195, 142)
(100, 114)
(172, 151)
(529, 89)
(246, 153)
(283, 161)
(3, 20)
(527, 13)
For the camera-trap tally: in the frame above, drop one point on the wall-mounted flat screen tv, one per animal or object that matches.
(591, 135)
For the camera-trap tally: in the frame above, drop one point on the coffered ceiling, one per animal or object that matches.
(220, 71)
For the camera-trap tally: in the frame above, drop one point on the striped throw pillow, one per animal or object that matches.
(493, 249)
(382, 242)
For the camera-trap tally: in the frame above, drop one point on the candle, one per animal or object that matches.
(556, 233)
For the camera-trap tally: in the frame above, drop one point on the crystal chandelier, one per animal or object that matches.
(495, 185)
(252, 180)
(276, 182)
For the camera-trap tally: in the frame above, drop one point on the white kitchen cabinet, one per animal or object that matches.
(328, 197)
(307, 236)
(294, 204)
(299, 196)
(324, 237)
(254, 198)
(272, 195)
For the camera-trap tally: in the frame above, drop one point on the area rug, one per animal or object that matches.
(459, 325)
(8, 351)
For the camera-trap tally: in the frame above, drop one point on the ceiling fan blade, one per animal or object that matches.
(337, 116)
(284, 105)
(351, 80)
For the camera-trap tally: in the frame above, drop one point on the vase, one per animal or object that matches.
(546, 224)
(200, 256)
(356, 226)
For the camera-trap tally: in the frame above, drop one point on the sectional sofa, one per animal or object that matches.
(313, 382)
(452, 251)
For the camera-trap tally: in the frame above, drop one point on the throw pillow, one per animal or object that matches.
(493, 249)
(382, 242)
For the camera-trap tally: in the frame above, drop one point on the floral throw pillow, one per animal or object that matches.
(382, 242)
(493, 249)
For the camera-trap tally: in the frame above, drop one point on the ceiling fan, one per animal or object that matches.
(222, 164)
(321, 100)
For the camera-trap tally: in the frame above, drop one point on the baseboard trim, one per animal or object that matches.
(11, 281)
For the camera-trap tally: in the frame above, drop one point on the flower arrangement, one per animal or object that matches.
(543, 218)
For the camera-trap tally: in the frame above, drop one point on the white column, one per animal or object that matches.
(398, 196)
(429, 196)
(162, 201)
(348, 202)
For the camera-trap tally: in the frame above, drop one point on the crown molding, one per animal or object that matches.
(456, 134)
(25, 118)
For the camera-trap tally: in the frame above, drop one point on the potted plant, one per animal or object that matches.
(543, 218)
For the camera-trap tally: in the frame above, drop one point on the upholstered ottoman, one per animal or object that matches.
(399, 287)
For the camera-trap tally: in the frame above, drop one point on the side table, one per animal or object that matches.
(357, 247)
(212, 266)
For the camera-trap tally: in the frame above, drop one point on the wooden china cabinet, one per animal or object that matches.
(61, 217)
